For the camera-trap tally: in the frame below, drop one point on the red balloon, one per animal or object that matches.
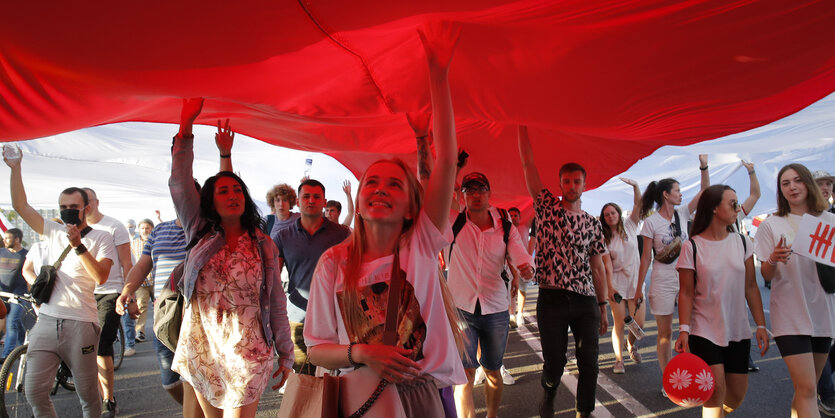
(688, 380)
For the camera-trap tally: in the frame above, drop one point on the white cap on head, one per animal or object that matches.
(822, 175)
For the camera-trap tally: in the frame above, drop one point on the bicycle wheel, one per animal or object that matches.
(64, 377)
(119, 348)
(13, 401)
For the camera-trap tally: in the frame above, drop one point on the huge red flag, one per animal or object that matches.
(599, 82)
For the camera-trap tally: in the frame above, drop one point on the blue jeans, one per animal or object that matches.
(556, 310)
(489, 331)
(15, 331)
(129, 325)
(165, 358)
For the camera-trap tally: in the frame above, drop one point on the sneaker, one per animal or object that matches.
(140, 338)
(618, 368)
(507, 379)
(752, 367)
(108, 408)
(827, 406)
(479, 376)
(520, 319)
(634, 354)
(130, 351)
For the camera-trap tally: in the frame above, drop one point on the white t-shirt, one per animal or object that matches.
(115, 281)
(72, 297)
(425, 315)
(664, 276)
(799, 305)
(625, 260)
(476, 264)
(719, 299)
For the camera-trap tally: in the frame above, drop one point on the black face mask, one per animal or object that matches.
(71, 217)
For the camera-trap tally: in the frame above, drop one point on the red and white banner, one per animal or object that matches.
(814, 240)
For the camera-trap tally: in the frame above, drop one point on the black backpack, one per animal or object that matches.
(461, 220)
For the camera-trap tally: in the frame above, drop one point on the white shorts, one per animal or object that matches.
(662, 301)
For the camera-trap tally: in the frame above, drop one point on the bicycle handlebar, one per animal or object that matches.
(15, 298)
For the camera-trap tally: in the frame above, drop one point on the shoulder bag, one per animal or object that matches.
(41, 290)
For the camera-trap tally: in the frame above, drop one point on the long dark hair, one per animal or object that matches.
(814, 198)
(654, 193)
(607, 230)
(708, 201)
(250, 220)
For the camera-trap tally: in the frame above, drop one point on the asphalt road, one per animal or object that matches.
(636, 393)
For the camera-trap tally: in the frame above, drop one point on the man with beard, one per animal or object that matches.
(571, 278)
(68, 327)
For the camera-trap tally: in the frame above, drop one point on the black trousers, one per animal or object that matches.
(556, 310)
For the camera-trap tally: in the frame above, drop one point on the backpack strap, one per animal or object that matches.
(457, 226)
(744, 244)
(677, 229)
(693, 243)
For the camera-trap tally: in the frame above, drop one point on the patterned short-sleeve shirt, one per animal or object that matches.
(566, 242)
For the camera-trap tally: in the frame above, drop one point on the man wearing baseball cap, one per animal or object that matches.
(824, 181)
(482, 241)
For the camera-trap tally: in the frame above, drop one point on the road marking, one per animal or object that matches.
(569, 380)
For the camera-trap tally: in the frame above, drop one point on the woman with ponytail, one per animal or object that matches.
(622, 261)
(663, 232)
(395, 226)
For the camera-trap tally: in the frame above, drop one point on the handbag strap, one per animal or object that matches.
(60, 260)
(393, 308)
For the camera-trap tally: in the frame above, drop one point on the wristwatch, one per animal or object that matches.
(81, 249)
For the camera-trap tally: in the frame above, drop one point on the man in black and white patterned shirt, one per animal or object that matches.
(571, 278)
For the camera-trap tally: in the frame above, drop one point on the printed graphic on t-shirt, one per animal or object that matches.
(373, 300)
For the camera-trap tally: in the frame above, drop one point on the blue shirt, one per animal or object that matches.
(301, 253)
(11, 271)
(167, 247)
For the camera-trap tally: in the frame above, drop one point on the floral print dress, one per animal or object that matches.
(222, 352)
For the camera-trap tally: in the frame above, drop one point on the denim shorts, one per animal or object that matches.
(490, 331)
(165, 357)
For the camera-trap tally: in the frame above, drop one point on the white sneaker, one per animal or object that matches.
(506, 377)
(129, 352)
(520, 319)
(479, 376)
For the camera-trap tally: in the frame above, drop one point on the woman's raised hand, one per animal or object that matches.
(630, 182)
(224, 138)
(191, 109)
(439, 41)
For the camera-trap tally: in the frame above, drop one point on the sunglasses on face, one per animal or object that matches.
(735, 204)
(475, 189)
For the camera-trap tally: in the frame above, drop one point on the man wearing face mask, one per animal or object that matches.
(67, 329)
(106, 295)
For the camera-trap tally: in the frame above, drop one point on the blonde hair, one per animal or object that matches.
(356, 245)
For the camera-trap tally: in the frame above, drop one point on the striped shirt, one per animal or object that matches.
(167, 247)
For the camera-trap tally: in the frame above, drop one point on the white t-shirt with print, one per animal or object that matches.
(625, 260)
(719, 308)
(664, 276)
(115, 281)
(437, 353)
(72, 297)
(799, 305)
